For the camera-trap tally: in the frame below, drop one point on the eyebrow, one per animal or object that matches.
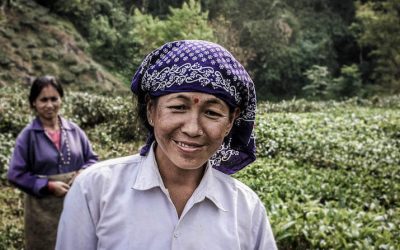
(51, 96)
(211, 100)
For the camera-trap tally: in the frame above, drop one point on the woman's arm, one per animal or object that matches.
(18, 172)
(89, 155)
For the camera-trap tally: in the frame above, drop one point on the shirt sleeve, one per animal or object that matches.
(89, 155)
(76, 228)
(262, 232)
(18, 172)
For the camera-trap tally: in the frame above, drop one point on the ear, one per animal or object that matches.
(150, 110)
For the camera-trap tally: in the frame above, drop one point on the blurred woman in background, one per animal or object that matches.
(48, 155)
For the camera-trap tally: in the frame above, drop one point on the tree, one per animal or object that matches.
(378, 25)
(320, 80)
(188, 22)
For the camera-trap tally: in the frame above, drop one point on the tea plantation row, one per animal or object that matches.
(328, 172)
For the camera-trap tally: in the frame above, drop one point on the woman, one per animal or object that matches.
(198, 104)
(48, 154)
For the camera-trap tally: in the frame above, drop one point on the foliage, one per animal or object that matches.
(187, 22)
(330, 179)
(277, 40)
(322, 85)
(302, 105)
(320, 80)
(11, 214)
(14, 110)
(111, 39)
(333, 140)
(6, 145)
(36, 42)
(310, 208)
(121, 37)
(116, 116)
(348, 83)
(290, 38)
(378, 27)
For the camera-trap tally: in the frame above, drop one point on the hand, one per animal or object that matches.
(74, 176)
(58, 188)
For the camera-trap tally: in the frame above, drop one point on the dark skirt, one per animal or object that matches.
(41, 217)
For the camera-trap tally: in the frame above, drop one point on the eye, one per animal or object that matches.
(213, 114)
(54, 99)
(177, 107)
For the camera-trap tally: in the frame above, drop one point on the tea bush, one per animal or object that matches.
(302, 105)
(314, 208)
(361, 138)
(6, 147)
(14, 109)
(116, 115)
(361, 142)
(11, 223)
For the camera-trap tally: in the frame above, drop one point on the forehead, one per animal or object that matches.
(49, 91)
(193, 97)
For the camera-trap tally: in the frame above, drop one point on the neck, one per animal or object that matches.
(173, 176)
(181, 183)
(51, 124)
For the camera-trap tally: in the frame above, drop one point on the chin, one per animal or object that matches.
(190, 165)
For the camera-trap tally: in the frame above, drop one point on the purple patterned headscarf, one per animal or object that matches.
(201, 66)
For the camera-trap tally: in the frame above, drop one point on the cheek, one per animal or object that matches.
(217, 131)
(165, 123)
(38, 105)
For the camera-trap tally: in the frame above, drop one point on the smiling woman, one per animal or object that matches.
(198, 105)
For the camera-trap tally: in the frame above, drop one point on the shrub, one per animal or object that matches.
(348, 84)
(11, 223)
(14, 110)
(311, 208)
(319, 81)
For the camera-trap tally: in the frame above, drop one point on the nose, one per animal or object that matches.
(192, 126)
(49, 103)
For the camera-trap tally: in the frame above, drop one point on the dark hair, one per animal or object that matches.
(42, 82)
(142, 110)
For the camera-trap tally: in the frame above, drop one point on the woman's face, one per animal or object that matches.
(189, 127)
(48, 103)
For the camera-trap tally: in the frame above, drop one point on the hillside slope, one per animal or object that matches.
(35, 42)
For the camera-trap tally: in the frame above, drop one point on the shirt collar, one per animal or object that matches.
(149, 177)
(208, 189)
(37, 124)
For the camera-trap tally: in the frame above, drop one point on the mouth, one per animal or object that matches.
(188, 146)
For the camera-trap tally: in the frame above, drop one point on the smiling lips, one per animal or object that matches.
(188, 147)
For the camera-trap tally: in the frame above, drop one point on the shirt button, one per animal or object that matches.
(175, 235)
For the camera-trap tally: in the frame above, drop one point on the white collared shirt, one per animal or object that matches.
(123, 204)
